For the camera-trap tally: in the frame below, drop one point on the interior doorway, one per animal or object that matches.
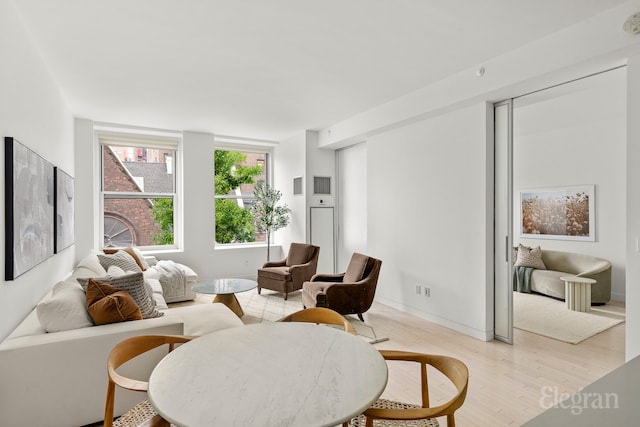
(570, 134)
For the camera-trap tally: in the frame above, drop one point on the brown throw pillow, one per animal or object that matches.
(108, 304)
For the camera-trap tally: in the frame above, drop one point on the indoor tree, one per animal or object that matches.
(268, 215)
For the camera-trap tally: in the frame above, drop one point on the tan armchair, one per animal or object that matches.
(289, 274)
(350, 292)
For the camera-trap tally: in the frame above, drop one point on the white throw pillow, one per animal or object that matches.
(66, 308)
(528, 257)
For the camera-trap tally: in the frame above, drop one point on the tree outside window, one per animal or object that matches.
(235, 176)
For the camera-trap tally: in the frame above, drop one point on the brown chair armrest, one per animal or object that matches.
(334, 278)
(280, 263)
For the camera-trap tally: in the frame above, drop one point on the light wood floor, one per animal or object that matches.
(506, 382)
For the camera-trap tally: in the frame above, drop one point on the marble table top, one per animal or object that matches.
(268, 374)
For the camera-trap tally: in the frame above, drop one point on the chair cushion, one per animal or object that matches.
(275, 273)
(355, 269)
(299, 253)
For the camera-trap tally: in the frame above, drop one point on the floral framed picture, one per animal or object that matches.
(564, 213)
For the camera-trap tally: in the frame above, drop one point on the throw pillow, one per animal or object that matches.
(528, 257)
(108, 304)
(120, 259)
(65, 309)
(134, 252)
(134, 284)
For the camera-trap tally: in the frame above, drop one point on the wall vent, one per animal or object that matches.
(297, 185)
(321, 185)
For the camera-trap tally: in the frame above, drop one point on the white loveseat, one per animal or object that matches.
(59, 378)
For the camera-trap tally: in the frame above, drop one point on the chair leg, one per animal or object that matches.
(259, 289)
(360, 317)
(286, 294)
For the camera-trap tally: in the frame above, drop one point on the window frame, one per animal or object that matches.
(268, 178)
(143, 138)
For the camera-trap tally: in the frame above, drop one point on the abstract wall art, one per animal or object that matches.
(29, 204)
(64, 210)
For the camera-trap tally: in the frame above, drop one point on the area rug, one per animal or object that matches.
(271, 306)
(550, 317)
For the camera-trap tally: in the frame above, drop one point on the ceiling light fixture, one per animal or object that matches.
(632, 24)
(480, 72)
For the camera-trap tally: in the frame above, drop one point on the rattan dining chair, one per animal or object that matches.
(320, 315)
(389, 413)
(143, 414)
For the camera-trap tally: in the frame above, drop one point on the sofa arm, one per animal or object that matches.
(34, 370)
(596, 268)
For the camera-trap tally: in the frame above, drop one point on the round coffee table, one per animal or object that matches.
(225, 290)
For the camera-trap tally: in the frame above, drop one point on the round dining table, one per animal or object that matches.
(268, 374)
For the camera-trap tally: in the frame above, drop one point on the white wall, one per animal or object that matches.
(427, 198)
(33, 111)
(575, 134)
(289, 163)
(632, 331)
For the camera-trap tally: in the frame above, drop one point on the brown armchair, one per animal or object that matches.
(289, 274)
(350, 292)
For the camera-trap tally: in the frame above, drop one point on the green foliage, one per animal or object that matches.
(162, 212)
(229, 173)
(233, 223)
(268, 215)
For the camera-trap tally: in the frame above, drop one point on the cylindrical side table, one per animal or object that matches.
(577, 292)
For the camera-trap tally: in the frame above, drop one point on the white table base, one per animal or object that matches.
(577, 293)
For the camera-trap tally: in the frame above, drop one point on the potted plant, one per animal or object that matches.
(268, 215)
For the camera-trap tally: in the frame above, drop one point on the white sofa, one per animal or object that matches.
(59, 378)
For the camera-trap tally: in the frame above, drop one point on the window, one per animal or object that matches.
(138, 190)
(236, 173)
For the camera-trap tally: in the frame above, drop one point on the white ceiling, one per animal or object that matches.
(267, 69)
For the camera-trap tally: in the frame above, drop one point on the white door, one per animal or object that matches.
(502, 208)
(351, 171)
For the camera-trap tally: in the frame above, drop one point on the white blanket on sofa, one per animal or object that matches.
(172, 278)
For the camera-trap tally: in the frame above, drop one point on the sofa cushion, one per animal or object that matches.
(134, 284)
(120, 259)
(108, 304)
(89, 266)
(528, 257)
(65, 309)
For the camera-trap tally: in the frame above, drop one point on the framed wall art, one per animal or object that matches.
(64, 210)
(29, 203)
(566, 213)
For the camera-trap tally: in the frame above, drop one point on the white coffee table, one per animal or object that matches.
(577, 292)
(268, 374)
(225, 290)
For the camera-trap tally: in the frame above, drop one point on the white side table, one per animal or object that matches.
(577, 292)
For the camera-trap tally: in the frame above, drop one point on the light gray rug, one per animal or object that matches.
(550, 317)
(271, 306)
